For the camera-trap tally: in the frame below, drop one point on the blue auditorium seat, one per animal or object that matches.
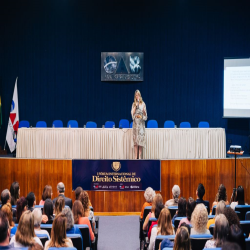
(72, 124)
(24, 124)
(124, 123)
(152, 124)
(41, 124)
(185, 125)
(169, 124)
(91, 125)
(109, 124)
(203, 125)
(57, 124)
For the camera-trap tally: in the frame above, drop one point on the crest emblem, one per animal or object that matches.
(116, 166)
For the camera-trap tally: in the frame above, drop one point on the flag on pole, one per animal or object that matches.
(13, 121)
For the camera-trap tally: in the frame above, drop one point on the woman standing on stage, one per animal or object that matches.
(139, 116)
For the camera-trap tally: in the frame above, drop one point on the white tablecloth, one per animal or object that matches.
(80, 143)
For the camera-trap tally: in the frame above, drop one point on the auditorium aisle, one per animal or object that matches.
(118, 232)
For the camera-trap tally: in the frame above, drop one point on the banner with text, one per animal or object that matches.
(116, 175)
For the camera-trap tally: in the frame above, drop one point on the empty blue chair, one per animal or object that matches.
(203, 125)
(243, 209)
(24, 124)
(185, 125)
(124, 123)
(131, 125)
(41, 124)
(109, 124)
(169, 124)
(91, 125)
(152, 124)
(76, 240)
(57, 124)
(72, 124)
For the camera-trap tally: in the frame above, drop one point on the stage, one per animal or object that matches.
(34, 174)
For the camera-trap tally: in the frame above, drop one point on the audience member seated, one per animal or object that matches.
(15, 192)
(230, 246)
(31, 199)
(84, 199)
(157, 199)
(47, 194)
(200, 192)
(239, 199)
(189, 210)
(164, 227)
(79, 219)
(25, 234)
(60, 192)
(236, 235)
(149, 195)
(181, 212)
(231, 216)
(21, 206)
(48, 217)
(59, 205)
(221, 195)
(158, 208)
(5, 196)
(7, 210)
(5, 233)
(70, 229)
(199, 220)
(221, 230)
(182, 239)
(176, 193)
(219, 210)
(78, 190)
(37, 213)
(58, 233)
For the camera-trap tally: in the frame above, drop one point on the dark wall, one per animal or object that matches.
(54, 47)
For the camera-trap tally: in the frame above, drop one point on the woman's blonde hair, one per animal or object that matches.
(157, 199)
(7, 210)
(199, 218)
(164, 223)
(84, 199)
(25, 231)
(182, 240)
(59, 205)
(140, 101)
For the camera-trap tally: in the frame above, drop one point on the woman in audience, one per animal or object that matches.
(231, 216)
(221, 230)
(70, 229)
(25, 235)
(22, 205)
(176, 193)
(48, 217)
(199, 220)
(236, 235)
(15, 192)
(182, 240)
(219, 210)
(47, 194)
(181, 212)
(59, 205)
(37, 214)
(239, 199)
(189, 210)
(7, 210)
(157, 199)
(164, 227)
(58, 233)
(221, 195)
(79, 219)
(149, 195)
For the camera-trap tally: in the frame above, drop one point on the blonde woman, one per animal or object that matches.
(25, 234)
(139, 116)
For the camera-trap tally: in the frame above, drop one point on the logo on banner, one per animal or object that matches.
(116, 166)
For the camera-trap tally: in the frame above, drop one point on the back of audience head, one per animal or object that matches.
(78, 190)
(236, 235)
(200, 191)
(149, 194)
(157, 199)
(31, 199)
(84, 199)
(70, 220)
(60, 188)
(5, 196)
(48, 208)
(184, 224)
(37, 214)
(182, 204)
(199, 218)
(35, 246)
(21, 206)
(231, 216)
(190, 207)
(25, 231)
(59, 205)
(222, 194)
(182, 240)
(15, 192)
(164, 223)
(176, 192)
(240, 195)
(47, 193)
(231, 246)
(158, 208)
(77, 210)
(4, 230)
(221, 230)
(220, 207)
(7, 210)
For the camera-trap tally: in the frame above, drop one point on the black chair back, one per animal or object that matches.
(172, 210)
(243, 209)
(76, 240)
(160, 238)
(43, 238)
(245, 225)
(198, 241)
(177, 222)
(47, 227)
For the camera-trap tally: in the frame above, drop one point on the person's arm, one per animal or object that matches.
(152, 238)
(144, 112)
(92, 236)
(145, 224)
(133, 111)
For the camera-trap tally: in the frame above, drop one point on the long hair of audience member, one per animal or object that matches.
(231, 216)
(48, 209)
(164, 223)
(236, 235)
(59, 205)
(221, 230)
(4, 226)
(7, 210)
(240, 196)
(182, 204)
(199, 218)
(14, 191)
(21, 207)
(77, 211)
(190, 207)
(221, 194)
(84, 198)
(78, 191)
(182, 240)
(47, 193)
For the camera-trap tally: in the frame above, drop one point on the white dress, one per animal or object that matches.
(17, 244)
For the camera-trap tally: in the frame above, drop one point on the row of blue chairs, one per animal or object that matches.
(124, 123)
